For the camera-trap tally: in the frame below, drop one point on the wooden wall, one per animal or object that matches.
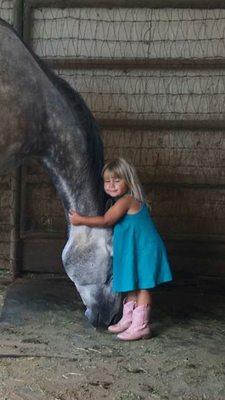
(5, 197)
(154, 77)
(6, 200)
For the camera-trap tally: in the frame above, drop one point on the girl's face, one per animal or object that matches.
(113, 185)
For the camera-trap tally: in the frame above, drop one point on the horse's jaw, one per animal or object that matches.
(87, 259)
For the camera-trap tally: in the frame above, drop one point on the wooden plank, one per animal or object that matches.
(148, 95)
(170, 156)
(18, 16)
(5, 206)
(167, 138)
(15, 260)
(10, 11)
(159, 123)
(197, 258)
(194, 257)
(129, 3)
(188, 211)
(160, 38)
(126, 64)
(194, 267)
(162, 156)
(196, 248)
(42, 210)
(4, 248)
(201, 258)
(4, 262)
(6, 10)
(48, 255)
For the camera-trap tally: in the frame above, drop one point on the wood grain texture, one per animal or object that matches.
(5, 209)
(128, 34)
(6, 10)
(188, 211)
(151, 94)
(4, 250)
(170, 156)
(127, 3)
(49, 255)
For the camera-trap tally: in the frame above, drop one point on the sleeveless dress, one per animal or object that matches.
(139, 255)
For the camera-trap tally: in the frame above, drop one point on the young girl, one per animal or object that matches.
(139, 256)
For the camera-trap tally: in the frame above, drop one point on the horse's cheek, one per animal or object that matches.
(87, 261)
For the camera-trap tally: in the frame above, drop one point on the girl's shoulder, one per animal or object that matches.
(124, 201)
(124, 198)
(135, 205)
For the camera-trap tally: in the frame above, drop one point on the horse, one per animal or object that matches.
(42, 116)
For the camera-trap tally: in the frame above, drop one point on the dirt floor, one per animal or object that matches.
(48, 351)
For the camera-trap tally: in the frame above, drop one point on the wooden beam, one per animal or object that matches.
(199, 4)
(180, 185)
(131, 64)
(18, 16)
(42, 235)
(14, 256)
(162, 124)
(27, 21)
(172, 237)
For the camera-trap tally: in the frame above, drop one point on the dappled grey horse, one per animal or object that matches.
(41, 115)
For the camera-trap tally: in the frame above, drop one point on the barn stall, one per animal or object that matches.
(154, 77)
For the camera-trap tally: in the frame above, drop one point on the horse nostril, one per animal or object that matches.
(92, 317)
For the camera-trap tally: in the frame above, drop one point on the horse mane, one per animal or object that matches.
(85, 118)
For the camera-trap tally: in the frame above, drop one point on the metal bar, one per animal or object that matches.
(131, 64)
(198, 4)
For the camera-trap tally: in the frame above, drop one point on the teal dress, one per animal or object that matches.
(139, 255)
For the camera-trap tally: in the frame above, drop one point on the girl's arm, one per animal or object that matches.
(117, 211)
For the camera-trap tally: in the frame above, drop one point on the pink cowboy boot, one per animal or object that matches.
(140, 327)
(126, 319)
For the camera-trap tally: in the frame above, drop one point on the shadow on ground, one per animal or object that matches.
(49, 351)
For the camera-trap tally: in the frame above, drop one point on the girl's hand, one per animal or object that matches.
(117, 211)
(74, 217)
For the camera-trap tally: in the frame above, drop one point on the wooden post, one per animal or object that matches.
(15, 269)
(15, 178)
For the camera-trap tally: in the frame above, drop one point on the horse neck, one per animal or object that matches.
(72, 151)
(77, 190)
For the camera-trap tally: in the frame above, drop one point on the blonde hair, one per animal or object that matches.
(122, 169)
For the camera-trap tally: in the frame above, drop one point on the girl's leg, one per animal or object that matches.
(129, 304)
(140, 327)
(131, 296)
(144, 296)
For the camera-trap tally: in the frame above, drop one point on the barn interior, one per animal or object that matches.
(153, 75)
